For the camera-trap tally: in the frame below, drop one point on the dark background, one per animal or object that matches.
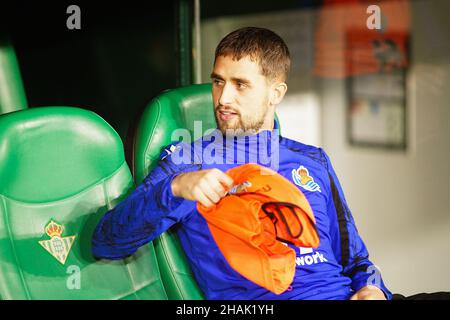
(124, 54)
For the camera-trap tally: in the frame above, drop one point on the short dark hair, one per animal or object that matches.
(261, 45)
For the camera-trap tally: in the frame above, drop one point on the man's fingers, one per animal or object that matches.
(206, 186)
(225, 179)
(201, 197)
(218, 188)
(209, 191)
(212, 196)
(369, 292)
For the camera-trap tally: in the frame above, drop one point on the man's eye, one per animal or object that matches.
(241, 85)
(217, 82)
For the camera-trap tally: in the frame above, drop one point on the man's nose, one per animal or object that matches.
(227, 95)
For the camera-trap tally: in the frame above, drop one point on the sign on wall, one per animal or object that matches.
(376, 87)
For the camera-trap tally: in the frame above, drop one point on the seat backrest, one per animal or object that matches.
(187, 107)
(61, 169)
(173, 109)
(191, 108)
(12, 93)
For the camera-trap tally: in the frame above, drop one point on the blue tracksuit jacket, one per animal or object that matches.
(335, 270)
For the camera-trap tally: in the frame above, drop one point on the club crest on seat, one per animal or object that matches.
(59, 247)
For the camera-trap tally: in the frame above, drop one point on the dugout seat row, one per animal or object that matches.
(61, 169)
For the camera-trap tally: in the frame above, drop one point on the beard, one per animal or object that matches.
(241, 125)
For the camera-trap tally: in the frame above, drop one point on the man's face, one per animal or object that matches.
(241, 95)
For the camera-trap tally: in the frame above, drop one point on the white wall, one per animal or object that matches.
(399, 200)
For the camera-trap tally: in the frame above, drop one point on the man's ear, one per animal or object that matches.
(278, 91)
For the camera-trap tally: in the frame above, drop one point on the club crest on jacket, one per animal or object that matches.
(302, 178)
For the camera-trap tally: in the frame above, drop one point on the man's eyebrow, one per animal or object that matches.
(215, 76)
(241, 80)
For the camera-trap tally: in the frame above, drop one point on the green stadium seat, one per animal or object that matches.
(172, 109)
(61, 169)
(12, 93)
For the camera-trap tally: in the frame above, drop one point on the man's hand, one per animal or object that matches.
(205, 186)
(369, 293)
